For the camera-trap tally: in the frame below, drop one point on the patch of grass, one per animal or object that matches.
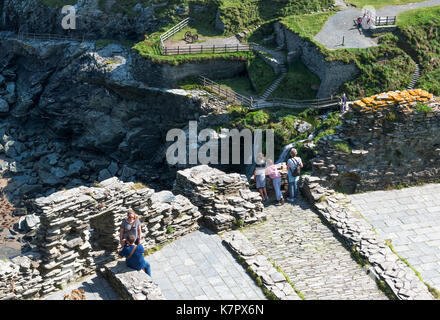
(433, 291)
(238, 223)
(269, 294)
(240, 85)
(391, 117)
(287, 279)
(170, 230)
(260, 74)
(307, 25)
(299, 83)
(379, 3)
(420, 107)
(342, 146)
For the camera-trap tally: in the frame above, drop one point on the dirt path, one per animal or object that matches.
(340, 26)
(218, 42)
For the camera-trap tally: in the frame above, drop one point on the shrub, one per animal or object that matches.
(342, 146)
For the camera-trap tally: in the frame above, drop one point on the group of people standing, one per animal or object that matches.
(267, 167)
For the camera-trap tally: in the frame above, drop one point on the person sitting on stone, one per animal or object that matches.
(134, 256)
(130, 226)
(273, 173)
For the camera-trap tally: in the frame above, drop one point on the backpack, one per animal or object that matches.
(297, 171)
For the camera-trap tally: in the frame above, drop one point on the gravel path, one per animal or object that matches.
(218, 42)
(314, 259)
(341, 25)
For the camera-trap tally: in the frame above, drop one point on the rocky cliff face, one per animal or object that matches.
(377, 150)
(93, 20)
(71, 114)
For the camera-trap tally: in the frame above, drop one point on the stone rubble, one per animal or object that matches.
(131, 284)
(79, 231)
(385, 265)
(272, 280)
(223, 199)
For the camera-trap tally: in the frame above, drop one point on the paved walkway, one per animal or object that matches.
(199, 267)
(95, 287)
(411, 219)
(316, 262)
(341, 25)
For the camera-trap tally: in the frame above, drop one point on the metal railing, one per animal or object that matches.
(193, 49)
(229, 94)
(384, 21)
(172, 31)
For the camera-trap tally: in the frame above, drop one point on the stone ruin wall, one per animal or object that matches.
(383, 154)
(79, 229)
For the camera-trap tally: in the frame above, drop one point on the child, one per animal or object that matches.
(273, 173)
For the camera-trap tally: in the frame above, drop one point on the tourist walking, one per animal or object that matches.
(294, 165)
(274, 174)
(260, 176)
(343, 103)
(134, 255)
(130, 226)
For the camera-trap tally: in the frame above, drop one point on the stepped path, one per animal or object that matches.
(319, 266)
(410, 217)
(416, 77)
(341, 25)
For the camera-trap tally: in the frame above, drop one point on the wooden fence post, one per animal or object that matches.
(190, 49)
(201, 48)
(225, 47)
(178, 49)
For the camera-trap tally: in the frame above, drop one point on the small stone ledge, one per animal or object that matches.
(357, 232)
(272, 280)
(131, 284)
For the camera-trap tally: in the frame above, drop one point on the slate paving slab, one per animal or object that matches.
(319, 266)
(95, 287)
(414, 229)
(207, 270)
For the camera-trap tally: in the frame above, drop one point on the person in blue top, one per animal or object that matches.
(134, 256)
(294, 165)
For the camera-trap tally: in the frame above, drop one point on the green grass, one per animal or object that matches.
(260, 73)
(238, 15)
(204, 30)
(420, 107)
(418, 16)
(342, 146)
(307, 25)
(240, 85)
(299, 83)
(379, 3)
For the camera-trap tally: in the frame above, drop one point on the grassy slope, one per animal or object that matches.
(420, 30)
(238, 15)
(298, 83)
(379, 3)
(382, 68)
(261, 74)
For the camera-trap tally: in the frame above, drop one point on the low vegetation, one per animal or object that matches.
(379, 3)
(299, 83)
(260, 73)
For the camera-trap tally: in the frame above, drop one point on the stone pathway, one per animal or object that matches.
(199, 267)
(95, 287)
(316, 262)
(411, 219)
(341, 25)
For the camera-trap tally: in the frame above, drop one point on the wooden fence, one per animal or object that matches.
(168, 34)
(227, 93)
(193, 49)
(385, 21)
(260, 104)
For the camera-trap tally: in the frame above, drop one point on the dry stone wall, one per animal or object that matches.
(223, 199)
(384, 150)
(383, 264)
(80, 230)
